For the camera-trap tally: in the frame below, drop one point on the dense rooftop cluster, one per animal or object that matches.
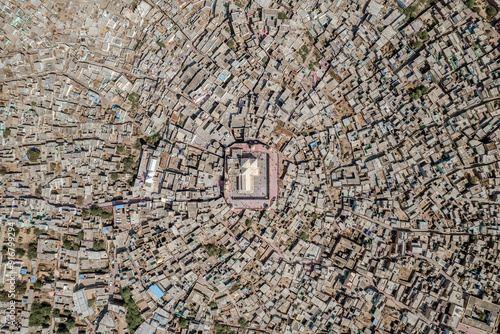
(219, 166)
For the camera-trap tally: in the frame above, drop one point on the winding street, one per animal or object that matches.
(438, 267)
(414, 230)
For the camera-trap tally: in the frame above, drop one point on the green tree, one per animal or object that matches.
(491, 11)
(119, 149)
(153, 140)
(128, 163)
(96, 211)
(417, 44)
(106, 215)
(20, 252)
(71, 323)
(470, 3)
(304, 236)
(133, 316)
(243, 323)
(33, 154)
(424, 35)
(67, 244)
(61, 329)
(133, 175)
(473, 179)
(282, 16)
(213, 305)
(309, 36)
(183, 322)
(411, 12)
(235, 287)
(134, 100)
(4, 296)
(230, 44)
(303, 52)
(56, 313)
(40, 314)
(138, 144)
(21, 287)
(79, 200)
(32, 251)
(6, 133)
(3, 170)
(114, 176)
(211, 250)
(418, 92)
(91, 302)
(222, 250)
(80, 235)
(223, 329)
(98, 245)
(37, 285)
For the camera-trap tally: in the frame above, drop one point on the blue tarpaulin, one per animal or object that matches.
(156, 290)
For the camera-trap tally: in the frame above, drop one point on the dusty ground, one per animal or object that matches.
(364, 319)
(121, 324)
(345, 150)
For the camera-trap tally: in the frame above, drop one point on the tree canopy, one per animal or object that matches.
(128, 163)
(183, 322)
(470, 3)
(40, 314)
(133, 317)
(418, 92)
(213, 250)
(32, 251)
(491, 11)
(97, 211)
(33, 154)
(243, 323)
(424, 35)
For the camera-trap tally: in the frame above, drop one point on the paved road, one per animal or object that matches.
(123, 202)
(413, 230)
(438, 268)
(2, 238)
(113, 273)
(276, 249)
(233, 236)
(394, 300)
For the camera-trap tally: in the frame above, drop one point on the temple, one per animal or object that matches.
(251, 176)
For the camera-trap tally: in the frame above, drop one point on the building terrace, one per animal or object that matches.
(251, 176)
